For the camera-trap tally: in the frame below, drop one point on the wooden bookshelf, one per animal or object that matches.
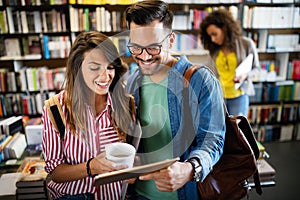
(66, 11)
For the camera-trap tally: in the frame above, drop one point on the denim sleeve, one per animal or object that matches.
(209, 119)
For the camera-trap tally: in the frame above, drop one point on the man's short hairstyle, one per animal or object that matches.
(145, 12)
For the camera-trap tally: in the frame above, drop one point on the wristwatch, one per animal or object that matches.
(197, 169)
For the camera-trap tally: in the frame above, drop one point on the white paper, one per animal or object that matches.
(34, 134)
(8, 183)
(244, 67)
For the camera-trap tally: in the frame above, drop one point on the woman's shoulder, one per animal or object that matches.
(57, 99)
(246, 40)
(60, 97)
(54, 107)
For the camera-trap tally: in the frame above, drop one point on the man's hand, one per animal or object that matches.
(171, 178)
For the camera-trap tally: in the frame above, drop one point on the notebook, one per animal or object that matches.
(244, 67)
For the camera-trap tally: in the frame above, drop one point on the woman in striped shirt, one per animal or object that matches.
(96, 111)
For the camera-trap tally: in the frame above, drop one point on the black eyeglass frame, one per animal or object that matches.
(156, 45)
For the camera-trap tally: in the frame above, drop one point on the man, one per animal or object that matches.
(157, 86)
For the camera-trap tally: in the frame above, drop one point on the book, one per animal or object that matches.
(30, 22)
(5, 141)
(37, 21)
(282, 17)
(16, 146)
(34, 183)
(3, 122)
(296, 17)
(32, 121)
(133, 172)
(34, 45)
(34, 134)
(33, 173)
(296, 91)
(13, 126)
(261, 149)
(286, 133)
(296, 70)
(3, 144)
(8, 183)
(10, 21)
(3, 22)
(12, 46)
(24, 23)
(244, 67)
(32, 196)
(29, 190)
(17, 21)
(31, 77)
(46, 48)
(265, 170)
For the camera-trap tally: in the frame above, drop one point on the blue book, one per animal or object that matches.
(46, 47)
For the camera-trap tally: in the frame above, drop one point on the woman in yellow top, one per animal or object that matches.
(222, 36)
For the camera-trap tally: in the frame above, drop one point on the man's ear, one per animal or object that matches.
(172, 39)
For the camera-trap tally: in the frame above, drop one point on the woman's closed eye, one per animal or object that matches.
(98, 67)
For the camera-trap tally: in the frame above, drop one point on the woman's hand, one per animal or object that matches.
(100, 165)
(240, 79)
(130, 181)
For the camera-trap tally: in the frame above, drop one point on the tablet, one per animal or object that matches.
(132, 172)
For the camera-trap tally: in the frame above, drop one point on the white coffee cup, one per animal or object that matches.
(120, 153)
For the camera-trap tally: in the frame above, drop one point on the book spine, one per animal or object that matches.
(46, 47)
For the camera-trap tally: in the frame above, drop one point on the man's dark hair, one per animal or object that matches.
(145, 12)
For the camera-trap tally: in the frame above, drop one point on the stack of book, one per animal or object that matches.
(32, 182)
(12, 140)
(265, 170)
(266, 174)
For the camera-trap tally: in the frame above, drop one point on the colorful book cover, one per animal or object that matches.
(296, 70)
(32, 169)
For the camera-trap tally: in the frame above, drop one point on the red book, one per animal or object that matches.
(296, 70)
(25, 103)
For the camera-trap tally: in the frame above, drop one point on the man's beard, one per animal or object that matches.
(153, 69)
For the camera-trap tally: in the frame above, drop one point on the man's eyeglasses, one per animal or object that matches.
(152, 49)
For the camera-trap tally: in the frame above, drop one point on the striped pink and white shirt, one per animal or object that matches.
(78, 148)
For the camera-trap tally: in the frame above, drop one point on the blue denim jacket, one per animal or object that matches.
(206, 105)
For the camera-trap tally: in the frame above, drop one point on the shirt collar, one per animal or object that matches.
(108, 107)
(109, 102)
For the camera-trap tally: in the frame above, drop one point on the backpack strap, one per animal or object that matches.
(55, 113)
(247, 130)
(188, 75)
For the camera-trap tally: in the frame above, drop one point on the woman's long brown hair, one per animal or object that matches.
(77, 94)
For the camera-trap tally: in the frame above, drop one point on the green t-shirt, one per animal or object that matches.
(155, 121)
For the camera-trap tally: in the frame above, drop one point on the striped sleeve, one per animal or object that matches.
(51, 146)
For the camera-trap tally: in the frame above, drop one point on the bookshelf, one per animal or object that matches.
(275, 109)
(45, 30)
(35, 41)
(36, 36)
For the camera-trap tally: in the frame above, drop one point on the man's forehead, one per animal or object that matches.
(145, 35)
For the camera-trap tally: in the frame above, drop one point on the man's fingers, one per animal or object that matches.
(161, 174)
